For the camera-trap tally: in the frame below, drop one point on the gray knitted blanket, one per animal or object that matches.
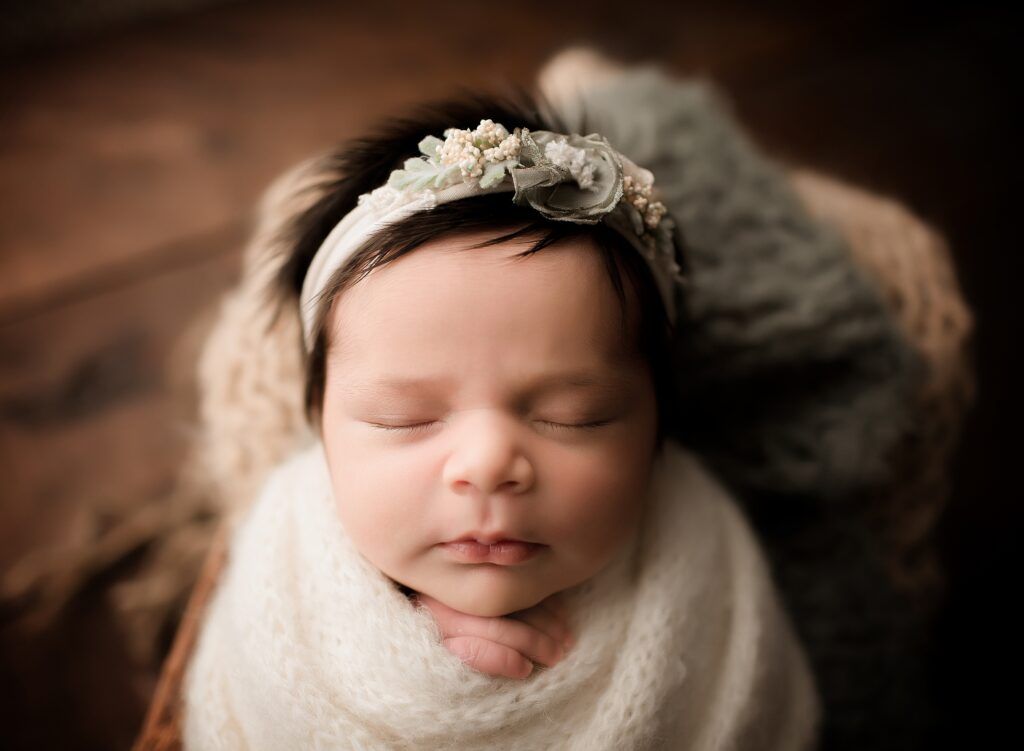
(796, 385)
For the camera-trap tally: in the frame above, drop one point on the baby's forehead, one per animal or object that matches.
(572, 270)
(558, 303)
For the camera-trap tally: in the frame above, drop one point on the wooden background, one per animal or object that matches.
(130, 159)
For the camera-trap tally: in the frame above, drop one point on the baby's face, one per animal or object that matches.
(455, 384)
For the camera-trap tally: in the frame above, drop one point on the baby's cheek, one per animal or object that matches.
(378, 517)
(596, 507)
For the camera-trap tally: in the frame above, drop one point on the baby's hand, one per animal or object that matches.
(505, 645)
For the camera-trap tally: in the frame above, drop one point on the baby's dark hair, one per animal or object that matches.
(364, 164)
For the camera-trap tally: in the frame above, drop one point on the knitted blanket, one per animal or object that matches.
(681, 642)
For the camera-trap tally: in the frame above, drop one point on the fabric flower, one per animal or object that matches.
(570, 178)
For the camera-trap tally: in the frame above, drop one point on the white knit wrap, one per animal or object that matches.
(681, 641)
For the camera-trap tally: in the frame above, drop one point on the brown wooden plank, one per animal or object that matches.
(89, 415)
(112, 150)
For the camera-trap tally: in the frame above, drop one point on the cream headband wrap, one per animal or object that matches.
(570, 177)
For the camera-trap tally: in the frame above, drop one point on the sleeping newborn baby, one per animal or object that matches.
(489, 429)
(493, 542)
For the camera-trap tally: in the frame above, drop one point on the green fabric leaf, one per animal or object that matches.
(418, 164)
(419, 174)
(430, 146)
(398, 179)
(493, 175)
(449, 174)
(423, 181)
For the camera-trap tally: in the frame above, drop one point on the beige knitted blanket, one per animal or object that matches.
(681, 641)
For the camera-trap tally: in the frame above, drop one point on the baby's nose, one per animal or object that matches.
(489, 458)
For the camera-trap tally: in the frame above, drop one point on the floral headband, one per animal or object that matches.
(570, 178)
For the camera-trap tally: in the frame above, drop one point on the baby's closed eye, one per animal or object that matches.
(416, 425)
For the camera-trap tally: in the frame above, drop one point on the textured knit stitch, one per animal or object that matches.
(774, 299)
(681, 643)
(804, 379)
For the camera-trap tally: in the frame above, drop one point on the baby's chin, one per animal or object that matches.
(489, 592)
(491, 607)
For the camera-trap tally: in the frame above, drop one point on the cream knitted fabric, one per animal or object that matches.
(681, 643)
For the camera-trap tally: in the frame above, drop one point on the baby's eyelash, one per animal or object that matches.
(557, 425)
(404, 428)
(577, 426)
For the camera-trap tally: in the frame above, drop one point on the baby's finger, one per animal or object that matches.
(489, 657)
(525, 638)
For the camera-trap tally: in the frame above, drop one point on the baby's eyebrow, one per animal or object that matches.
(578, 379)
(611, 381)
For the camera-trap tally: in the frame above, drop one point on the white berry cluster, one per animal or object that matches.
(473, 150)
(386, 199)
(572, 159)
(639, 195)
